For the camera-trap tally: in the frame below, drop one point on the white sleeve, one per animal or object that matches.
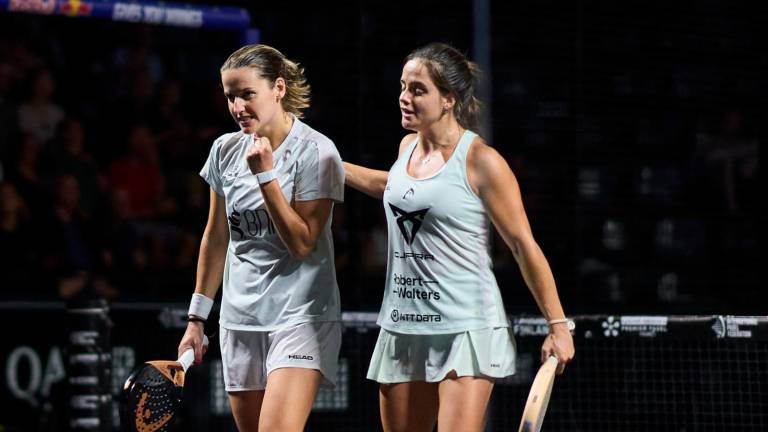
(211, 172)
(320, 174)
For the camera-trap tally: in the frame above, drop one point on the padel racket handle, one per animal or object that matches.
(188, 356)
(552, 359)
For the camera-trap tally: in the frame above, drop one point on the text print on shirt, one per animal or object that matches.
(257, 223)
(397, 316)
(414, 288)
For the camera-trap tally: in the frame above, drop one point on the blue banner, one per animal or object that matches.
(160, 13)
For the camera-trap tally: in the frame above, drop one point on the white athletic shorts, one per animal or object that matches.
(248, 357)
(398, 357)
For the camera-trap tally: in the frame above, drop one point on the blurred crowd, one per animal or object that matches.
(99, 187)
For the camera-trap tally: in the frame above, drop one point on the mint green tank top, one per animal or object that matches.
(439, 277)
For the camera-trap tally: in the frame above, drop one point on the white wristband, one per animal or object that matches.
(266, 176)
(200, 306)
(569, 322)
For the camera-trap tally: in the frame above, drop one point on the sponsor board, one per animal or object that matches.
(738, 327)
(44, 7)
(157, 14)
(530, 327)
(646, 326)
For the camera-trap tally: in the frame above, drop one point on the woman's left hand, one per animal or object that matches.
(558, 343)
(259, 155)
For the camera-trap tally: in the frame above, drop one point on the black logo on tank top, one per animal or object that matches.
(409, 222)
(408, 193)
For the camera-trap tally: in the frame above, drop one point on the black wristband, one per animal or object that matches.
(193, 318)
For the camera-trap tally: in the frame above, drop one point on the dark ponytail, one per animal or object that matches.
(453, 75)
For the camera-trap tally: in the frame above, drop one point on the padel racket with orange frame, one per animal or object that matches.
(152, 394)
(538, 398)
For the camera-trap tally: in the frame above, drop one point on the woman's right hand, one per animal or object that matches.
(193, 338)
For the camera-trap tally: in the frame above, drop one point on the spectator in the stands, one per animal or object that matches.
(28, 176)
(40, 116)
(138, 173)
(71, 157)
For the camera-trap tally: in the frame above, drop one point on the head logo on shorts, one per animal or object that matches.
(415, 218)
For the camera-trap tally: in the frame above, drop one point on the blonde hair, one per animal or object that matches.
(271, 64)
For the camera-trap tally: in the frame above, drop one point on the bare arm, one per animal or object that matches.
(497, 187)
(298, 224)
(213, 249)
(370, 181)
(210, 269)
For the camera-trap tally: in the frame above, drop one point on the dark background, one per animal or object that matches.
(634, 129)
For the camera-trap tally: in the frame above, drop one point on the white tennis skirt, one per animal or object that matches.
(399, 357)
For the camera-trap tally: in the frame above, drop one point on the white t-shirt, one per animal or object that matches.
(265, 288)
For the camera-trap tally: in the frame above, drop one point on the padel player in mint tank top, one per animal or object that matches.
(445, 336)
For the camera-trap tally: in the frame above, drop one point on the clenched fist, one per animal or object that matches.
(259, 156)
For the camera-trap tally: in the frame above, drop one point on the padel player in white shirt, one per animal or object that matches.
(268, 239)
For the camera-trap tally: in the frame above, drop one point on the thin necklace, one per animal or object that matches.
(425, 160)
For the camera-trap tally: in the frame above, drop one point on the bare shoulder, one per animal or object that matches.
(483, 160)
(405, 141)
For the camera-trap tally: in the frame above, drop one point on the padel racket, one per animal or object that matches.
(152, 394)
(538, 398)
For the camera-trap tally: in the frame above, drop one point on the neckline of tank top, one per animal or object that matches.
(436, 173)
